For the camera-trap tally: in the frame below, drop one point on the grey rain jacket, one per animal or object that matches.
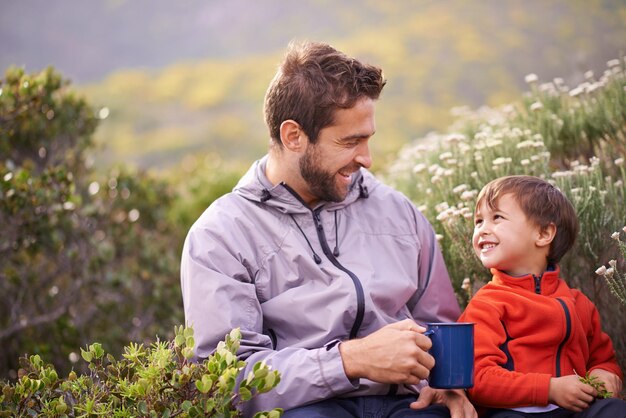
(297, 281)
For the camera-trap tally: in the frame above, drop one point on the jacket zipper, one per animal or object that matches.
(568, 329)
(360, 295)
(537, 284)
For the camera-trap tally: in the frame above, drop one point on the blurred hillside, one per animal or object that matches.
(189, 77)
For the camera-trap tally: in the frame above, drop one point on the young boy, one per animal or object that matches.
(534, 335)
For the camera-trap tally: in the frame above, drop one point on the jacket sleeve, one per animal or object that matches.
(601, 351)
(435, 300)
(219, 295)
(494, 385)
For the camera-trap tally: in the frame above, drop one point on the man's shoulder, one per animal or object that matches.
(384, 193)
(225, 211)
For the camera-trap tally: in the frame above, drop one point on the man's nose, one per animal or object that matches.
(364, 157)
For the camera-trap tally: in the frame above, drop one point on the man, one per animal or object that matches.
(326, 271)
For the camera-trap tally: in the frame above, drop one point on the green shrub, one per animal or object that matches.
(84, 255)
(154, 381)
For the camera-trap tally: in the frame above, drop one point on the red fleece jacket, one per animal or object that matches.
(528, 330)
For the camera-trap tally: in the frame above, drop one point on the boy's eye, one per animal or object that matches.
(478, 222)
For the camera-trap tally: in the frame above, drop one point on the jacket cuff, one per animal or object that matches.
(609, 367)
(542, 386)
(331, 368)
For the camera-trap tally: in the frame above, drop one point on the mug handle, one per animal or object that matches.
(429, 332)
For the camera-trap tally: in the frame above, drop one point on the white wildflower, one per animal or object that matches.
(493, 143)
(609, 272)
(468, 195)
(445, 156)
(525, 162)
(613, 263)
(440, 207)
(536, 106)
(501, 161)
(619, 161)
(94, 188)
(443, 216)
(601, 271)
(439, 237)
(624, 229)
(588, 75)
(615, 236)
(525, 144)
(531, 78)
(422, 208)
(460, 188)
(546, 87)
(466, 284)
(419, 168)
(612, 63)
(576, 190)
(576, 91)
(453, 138)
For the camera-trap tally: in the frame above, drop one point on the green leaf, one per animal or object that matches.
(245, 394)
(186, 406)
(143, 408)
(86, 355)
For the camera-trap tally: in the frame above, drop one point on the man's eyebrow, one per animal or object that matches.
(357, 136)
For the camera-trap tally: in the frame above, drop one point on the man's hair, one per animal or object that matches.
(542, 203)
(314, 81)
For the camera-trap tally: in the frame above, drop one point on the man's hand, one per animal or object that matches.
(570, 393)
(396, 354)
(454, 399)
(611, 381)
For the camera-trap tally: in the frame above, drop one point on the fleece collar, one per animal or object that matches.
(549, 280)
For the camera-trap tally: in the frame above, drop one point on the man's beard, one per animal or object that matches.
(323, 184)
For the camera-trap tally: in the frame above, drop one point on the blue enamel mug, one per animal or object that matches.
(453, 350)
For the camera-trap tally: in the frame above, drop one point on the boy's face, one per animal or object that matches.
(506, 240)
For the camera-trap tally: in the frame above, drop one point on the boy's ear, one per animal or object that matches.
(546, 235)
(292, 136)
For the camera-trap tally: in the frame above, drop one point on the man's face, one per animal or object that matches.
(341, 149)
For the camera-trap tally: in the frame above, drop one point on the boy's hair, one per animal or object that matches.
(314, 81)
(542, 203)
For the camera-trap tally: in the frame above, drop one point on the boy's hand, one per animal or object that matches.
(612, 382)
(570, 393)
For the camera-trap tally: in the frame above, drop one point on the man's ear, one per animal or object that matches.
(546, 235)
(292, 136)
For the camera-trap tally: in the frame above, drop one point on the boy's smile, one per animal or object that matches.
(505, 239)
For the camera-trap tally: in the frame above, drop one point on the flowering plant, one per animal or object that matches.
(614, 279)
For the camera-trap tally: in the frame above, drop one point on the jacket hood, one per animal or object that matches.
(255, 186)
(549, 280)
